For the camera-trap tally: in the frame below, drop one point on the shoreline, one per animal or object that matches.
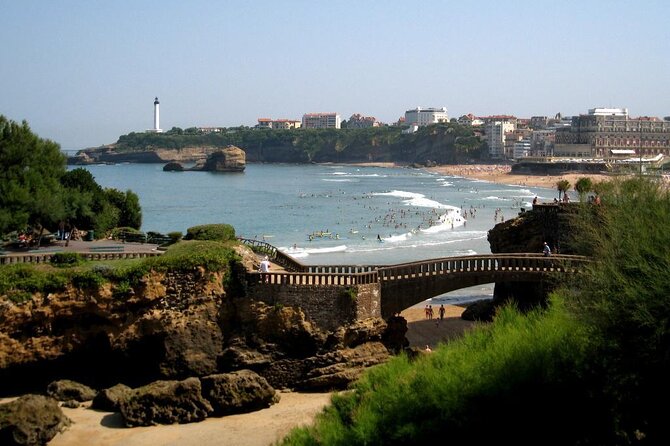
(494, 173)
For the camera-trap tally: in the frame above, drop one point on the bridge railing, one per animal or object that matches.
(300, 278)
(493, 262)
(280, 258)
(341, 269)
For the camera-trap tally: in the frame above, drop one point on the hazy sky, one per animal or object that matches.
(84, 72)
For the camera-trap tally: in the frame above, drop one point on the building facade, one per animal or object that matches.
(597, 133)
(496, 136)
(321, 121)
(521, 149)
(357, 121)
(426, 116)
(283, 124)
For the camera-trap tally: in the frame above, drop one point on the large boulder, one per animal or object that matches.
(109, 399)
(31, 420)
(165, 402)
(238, 392)
(67, 390)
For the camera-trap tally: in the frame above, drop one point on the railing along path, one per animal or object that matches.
(300, 274)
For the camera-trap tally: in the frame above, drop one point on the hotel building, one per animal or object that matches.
(426, 116)
(321, 121)
(602, 130)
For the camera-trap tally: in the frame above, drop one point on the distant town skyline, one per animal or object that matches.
(82, 74)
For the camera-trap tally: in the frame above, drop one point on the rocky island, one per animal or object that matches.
(229, 159)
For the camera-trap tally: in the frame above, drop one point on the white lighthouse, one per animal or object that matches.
(157, 127)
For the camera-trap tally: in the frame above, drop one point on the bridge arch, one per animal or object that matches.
(402, 285)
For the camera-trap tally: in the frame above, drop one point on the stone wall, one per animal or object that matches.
(327, 306)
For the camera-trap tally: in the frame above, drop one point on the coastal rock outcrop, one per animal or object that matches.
(229, 159)
(551, 223)
(31, 420)
(178, 324)
(173, 167)
(111, 154)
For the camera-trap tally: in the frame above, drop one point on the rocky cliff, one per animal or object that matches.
(109, 154)
(553, 223)
(175, 325)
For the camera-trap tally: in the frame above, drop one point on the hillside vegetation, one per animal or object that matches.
(441, 143)
(591, 369)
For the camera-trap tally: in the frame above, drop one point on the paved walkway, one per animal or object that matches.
(84, 246)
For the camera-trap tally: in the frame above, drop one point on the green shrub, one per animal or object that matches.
(28, 278)
(175, 236)
(87, 280)
(65, 259)
(215, 232)
(122, 290)
(350, 293)
(475, 390)
(189, 254)
(19, 296)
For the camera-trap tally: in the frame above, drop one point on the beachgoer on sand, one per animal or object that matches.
(442, 310)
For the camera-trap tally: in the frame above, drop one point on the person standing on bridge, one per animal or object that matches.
(546, 250)
(265, 265)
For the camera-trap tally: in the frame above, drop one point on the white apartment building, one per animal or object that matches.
(321, 121)
(426, 116)
(495, 137)
(521, 149)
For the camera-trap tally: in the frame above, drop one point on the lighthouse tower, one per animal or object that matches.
(157, 127)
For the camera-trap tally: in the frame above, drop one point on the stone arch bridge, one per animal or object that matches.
(384, 290)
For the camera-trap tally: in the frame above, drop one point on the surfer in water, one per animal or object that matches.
(379, 239)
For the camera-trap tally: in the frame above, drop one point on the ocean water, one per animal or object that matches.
(331, 214)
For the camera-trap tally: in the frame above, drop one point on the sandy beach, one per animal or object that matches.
(501, 173)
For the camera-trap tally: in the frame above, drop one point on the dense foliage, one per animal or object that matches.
(443, 143)
(37, 191)
(591, 369)
(219, 232)
(627, 301)
(20, 281)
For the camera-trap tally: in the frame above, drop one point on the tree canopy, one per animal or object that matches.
(37, 191)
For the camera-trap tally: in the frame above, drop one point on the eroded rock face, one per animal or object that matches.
(337, 369)
(165, 402)
(31, 420)
(177, 325)
(229, 159)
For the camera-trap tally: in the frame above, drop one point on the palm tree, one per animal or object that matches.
(562, 186)
(583, 186)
